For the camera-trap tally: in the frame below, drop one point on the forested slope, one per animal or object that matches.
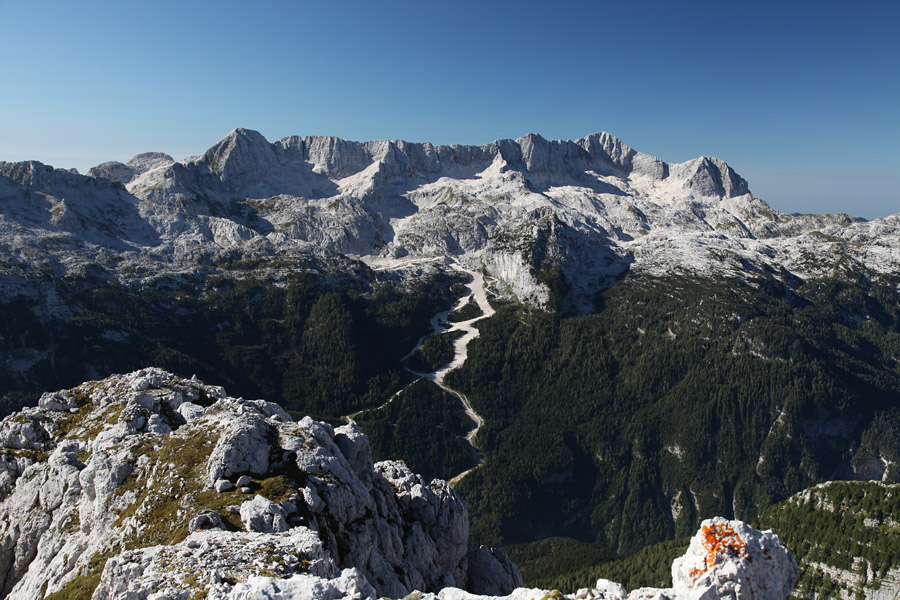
(680, 398)
(320, 343)
(846, 537)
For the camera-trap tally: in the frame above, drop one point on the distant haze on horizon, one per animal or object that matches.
(801, 99)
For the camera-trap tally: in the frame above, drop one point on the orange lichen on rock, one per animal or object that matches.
(719, 539)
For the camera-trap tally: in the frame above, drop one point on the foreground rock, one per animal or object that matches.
(120, 484)
(730, 559)
(726, 560)
(117, 489)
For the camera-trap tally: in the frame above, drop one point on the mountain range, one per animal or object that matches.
(594, 207)
(659, 347)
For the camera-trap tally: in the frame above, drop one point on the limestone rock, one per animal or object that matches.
(490, 572)
(604, 589)
(263, 515)
(112, 473)
(214, 561)
(207, 519)
(730, 559)
(190, 411)
(242, 446)
(349, 585)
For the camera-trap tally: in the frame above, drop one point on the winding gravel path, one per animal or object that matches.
(439, 325)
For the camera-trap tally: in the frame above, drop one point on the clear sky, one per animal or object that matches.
(801, 98)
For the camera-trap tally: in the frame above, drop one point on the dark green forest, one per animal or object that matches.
(567, 564)
(425, 426)
(435, 352)
(847, 525)
(469, 310)
(678, 399)
(324, 345)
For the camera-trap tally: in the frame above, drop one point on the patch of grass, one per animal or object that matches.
(162, 508)
(82, 586)
(73, 524)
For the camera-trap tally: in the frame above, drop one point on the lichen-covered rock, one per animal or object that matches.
(730, 559)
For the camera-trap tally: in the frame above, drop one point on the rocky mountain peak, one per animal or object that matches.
(242, 152)
(134, 168)
(609, 149)
(126, 471)
(709, 176)
(141, 163)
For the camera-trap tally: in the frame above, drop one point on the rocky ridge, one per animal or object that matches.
(845, 536)
(592, 208)
(129, 480)
(147, 485)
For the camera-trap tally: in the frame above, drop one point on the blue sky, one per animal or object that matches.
(801, 98)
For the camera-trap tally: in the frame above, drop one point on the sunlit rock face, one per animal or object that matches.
(554, 220)
(120, 481)
(730, 559)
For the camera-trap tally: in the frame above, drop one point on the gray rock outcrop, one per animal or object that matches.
(730, 559)
(109, 480)
(491, 573)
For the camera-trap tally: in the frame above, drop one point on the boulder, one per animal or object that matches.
(490, 572)
(730, 559)
(223, 485)
(263, 515)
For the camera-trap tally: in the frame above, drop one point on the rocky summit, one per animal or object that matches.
(147, 485)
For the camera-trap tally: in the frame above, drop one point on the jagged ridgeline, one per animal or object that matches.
(847, 535)
(150, 485)
(666, 347)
